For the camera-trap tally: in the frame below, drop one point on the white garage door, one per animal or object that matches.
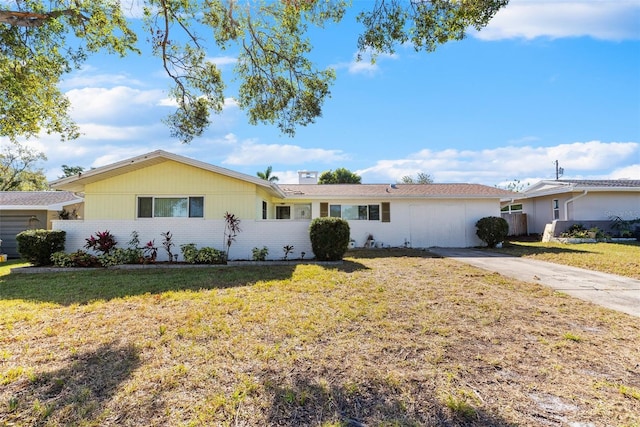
(438, 224)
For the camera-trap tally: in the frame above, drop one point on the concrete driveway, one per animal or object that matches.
(608, 290)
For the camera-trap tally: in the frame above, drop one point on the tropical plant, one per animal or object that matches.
(260, 254)
(266, 175)
(167, 244)
(150, 251)
(231, 230)
(287, 250)
(103, 243)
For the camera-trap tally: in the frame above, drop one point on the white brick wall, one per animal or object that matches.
(272, 234)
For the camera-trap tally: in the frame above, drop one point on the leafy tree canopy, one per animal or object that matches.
(339, 176)
(42, 40)
(420, 178)
(71, 170)
(18, 171)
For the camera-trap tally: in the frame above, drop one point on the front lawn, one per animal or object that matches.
(616, 258)
(389, 338)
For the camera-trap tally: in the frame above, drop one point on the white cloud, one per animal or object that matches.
(593, 159)
(221, 61)
(96, 103)
(528, 19)
(627, 172)
(250, 153)
(364, 64)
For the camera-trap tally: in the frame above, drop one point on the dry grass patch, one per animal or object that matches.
(397, 338)
(616, 258)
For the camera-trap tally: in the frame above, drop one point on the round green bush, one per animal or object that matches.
(37, 246)
(492, 230)
(329, 238)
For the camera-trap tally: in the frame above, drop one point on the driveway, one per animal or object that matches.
(608, 290)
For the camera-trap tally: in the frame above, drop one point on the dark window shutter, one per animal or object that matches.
(324, 209)
(386, 211)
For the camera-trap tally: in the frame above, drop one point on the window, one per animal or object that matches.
(512, 208)
(556, 209)
(283, 212)
(264, 210)
(355, 212)
(170, 207)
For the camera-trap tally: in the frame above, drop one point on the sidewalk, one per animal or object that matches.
(608, 290)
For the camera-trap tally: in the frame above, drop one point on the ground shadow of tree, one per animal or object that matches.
(82, 286)
(76, 394)
(306, 402)
(362, 253)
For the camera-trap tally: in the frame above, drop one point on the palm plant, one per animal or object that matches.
(266, 175)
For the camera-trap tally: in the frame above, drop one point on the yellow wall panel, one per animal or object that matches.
(115, 198)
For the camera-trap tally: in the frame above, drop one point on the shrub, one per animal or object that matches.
(61, 259)
(189, 252)
(329, 238)
(120, 256)
(83, 259)
(260, 254)
(103, 243)
(208, 255)
(37, 246)
(492, 230)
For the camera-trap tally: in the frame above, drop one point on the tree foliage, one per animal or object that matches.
(266, 175)
(18, 171)
(421, 178)
(42, 40)
(339, 176)
(68, 171)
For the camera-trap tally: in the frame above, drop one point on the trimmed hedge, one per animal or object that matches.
(37, 246)
(492, 230)
(329, 238)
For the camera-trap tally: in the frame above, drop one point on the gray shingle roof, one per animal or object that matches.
(392, 191)
(617, 183)
(35, 198)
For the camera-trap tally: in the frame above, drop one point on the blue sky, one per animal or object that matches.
(545, 81)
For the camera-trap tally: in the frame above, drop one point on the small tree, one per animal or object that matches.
(231, 230)
(329, 238)
(492, 230)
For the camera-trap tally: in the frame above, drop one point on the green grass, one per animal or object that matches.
(616, 258)
(389, 338)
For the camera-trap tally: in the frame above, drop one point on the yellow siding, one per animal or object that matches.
(115, 198)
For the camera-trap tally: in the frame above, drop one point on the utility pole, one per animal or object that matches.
(559, 170)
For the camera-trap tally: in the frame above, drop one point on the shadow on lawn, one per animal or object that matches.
(515, 249)
(74, 394)
(307, 402)
(84, 286)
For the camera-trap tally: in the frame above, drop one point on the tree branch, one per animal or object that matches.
(31, 19)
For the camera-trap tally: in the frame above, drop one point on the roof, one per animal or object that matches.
(37, 200)
(77, 182)
(549, 187)
(301, 191)
(602, 183)
(354, 191)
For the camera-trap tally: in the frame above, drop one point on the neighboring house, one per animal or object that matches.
(24, 210)
(161, 191)
(589, 202)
